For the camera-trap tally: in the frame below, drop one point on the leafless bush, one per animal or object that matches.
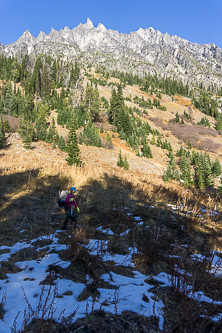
(106, 144)
(104, 117)
(118, 220)
(188, 278)
(194, 133)
(44, 310)
(77, 246)
(13, 122)
(106, 127)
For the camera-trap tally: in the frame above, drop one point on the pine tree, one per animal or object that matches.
(113, 107)
(153, 140)
(206, 166)
(54, 132)
(172, 171)
(7, 126)
(72, 147)
(91, 135)
(185, 171)
(92, 103)
(220, 187)
(62, 143)
(2, 133)
(167, 173)
(147, 150)
(27, 141)
(216, 168)
(126, 164)
(180, 152)
(120, 161)
(7, 93)
(193, 157)
(189, 144)
(198, 172)
(41, 123)
(177, 118)
(219, 124)
(26, 131)
(159, 141)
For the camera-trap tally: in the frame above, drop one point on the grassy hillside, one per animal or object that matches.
(163, 229)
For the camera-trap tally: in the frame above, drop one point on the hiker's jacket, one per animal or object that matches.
(72, 203)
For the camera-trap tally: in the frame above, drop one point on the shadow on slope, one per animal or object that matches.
(27, 201)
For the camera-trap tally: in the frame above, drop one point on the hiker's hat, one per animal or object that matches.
(73, 189)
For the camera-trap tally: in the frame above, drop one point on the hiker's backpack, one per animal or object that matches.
(62, 198)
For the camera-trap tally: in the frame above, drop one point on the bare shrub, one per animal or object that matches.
(106, 126)
(106, 144)
(103, 117)
(194, 133)
(189, 278)
(13, 122)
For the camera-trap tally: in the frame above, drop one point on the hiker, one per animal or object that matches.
(69, 208)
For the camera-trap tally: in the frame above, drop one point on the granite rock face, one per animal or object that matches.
(137, 52)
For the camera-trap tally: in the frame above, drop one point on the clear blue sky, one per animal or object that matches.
(198, 21)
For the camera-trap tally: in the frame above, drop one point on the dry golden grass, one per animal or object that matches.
(100, 164)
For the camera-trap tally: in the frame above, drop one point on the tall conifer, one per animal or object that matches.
(72, 147)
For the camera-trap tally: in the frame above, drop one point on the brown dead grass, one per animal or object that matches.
(100, 164)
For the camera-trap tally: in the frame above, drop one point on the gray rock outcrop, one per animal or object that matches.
(138, 52)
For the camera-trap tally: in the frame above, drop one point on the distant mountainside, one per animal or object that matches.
(138, 52)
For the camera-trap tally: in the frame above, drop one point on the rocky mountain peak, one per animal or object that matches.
(26, 37)
(89, 24)
(139, 51)
(101, 27)
(41, 36)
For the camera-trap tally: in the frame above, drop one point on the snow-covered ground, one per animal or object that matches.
(25, 285)
(22, 291)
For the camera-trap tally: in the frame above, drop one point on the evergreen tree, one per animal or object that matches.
(147, 150)
(26, 131)
(7, 94)
(91, 135)
(193, 157)
(216, 168)
(53, 131)
(220, 187)
(117, 107)
(185, 171)
(92, 103)
(41, 123)
(62, 143)
(219, 124)
(180, 152)
(72, 147)
(27, 141)
(74, 74)
(159, 142)
(177, 118)
(126, 164)
(153, 141)
(36, 79)
(189, 144)
(120, 161)
(7, 127)
(2, 133)
(206, 166)
(198, 172)
(172, 171)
